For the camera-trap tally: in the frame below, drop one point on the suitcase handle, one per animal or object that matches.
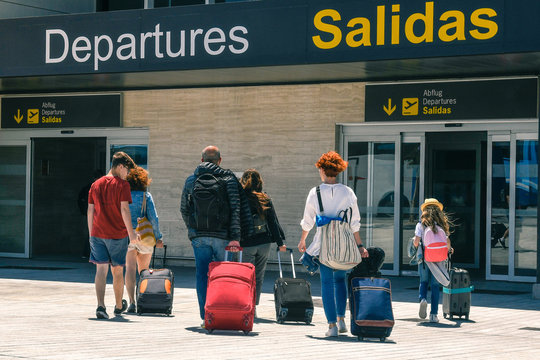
(279, 262)
(230, 249)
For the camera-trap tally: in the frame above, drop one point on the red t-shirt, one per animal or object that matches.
(106, 194)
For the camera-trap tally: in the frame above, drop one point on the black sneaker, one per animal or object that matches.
(120, 311)
(131, 309)
(101, 313)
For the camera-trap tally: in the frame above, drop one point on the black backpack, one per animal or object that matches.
(209, 203)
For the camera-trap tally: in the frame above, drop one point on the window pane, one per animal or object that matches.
(410, 182)
(526, 208)
(383, 199)
(500, 213)
(139, 153)
(12, 198)
(357, 172)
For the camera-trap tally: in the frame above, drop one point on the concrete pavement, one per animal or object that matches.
(47, 311)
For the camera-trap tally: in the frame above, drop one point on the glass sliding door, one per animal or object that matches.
(513, 189)
(372, 175)
(411, 194)
(526, 195)
(500, 208)
(14, 190)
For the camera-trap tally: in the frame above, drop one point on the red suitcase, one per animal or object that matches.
(230, 297)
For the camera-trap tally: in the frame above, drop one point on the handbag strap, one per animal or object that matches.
(319, 199)
(143, 207)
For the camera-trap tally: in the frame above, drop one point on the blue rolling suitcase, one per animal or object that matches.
(370, 302)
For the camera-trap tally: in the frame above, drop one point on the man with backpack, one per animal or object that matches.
(215, 211)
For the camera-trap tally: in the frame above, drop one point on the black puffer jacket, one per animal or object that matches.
(240, 223)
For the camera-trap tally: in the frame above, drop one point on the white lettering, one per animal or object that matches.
(157, 35)
(194, 34)
(76, 48)
(48, 58)
(238, 39)
(130, 46)
(97, 55)
(219, 39)
(182, 50)
(144, 36)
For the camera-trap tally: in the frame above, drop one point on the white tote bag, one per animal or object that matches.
(339, 250)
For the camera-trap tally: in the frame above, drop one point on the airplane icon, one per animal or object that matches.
(409, 106)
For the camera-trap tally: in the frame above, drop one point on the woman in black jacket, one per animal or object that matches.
(266, 228)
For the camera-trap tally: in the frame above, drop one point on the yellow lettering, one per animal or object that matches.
(427, 19)
(364, 30)
(459, 26)
(395, 25)
(324, 27)
(490, 25)
(380, 25)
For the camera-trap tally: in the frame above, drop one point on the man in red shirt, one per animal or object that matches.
(110, 229)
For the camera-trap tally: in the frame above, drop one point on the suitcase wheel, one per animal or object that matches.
(383, 339)
(360, 338)
(445, 315)
(308, 316)
(451, 317)
(210, 330)
(466, 316)
(246, 332)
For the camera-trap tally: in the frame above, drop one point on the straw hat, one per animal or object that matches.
(431, 201)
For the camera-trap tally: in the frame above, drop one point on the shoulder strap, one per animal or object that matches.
(320, 199)
(143, 207)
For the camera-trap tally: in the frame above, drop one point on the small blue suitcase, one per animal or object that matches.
(370, 302)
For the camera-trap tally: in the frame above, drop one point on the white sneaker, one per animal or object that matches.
(342, 328)
(433, 318)
(332, 332)
(423, 309)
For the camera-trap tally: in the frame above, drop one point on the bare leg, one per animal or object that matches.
(118, 284)
(143, 261)
(101, 282)
(131, 269)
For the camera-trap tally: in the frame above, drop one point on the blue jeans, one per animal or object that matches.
(206, 250)
(334, 293)
(425, 278)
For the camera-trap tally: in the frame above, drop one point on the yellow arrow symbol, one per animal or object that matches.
(389, 110)
(18, 117)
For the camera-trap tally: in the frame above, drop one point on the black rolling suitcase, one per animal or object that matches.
(457, 296)
(292, 297)
(155, 290)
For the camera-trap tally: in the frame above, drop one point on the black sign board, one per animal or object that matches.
(44, 112)
(453, 100)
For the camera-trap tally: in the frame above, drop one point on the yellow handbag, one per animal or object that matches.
(144, 227)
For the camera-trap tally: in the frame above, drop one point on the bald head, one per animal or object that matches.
(211, 154)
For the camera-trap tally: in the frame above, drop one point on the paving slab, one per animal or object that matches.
(49, 313)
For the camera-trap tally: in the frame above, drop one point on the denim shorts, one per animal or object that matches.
(108, 251)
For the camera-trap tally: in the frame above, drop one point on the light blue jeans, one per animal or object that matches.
(206, 250)
(334, 293)
(425, 278)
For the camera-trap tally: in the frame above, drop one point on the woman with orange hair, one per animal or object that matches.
(335, 197)
(138, 256)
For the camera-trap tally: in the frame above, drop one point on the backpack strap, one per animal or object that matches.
(320, 199)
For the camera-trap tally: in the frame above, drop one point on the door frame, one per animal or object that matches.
(23, 137)
(409, 131)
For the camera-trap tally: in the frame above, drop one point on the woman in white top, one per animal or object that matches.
(335, 197)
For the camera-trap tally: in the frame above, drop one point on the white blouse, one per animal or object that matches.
(335, 197)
